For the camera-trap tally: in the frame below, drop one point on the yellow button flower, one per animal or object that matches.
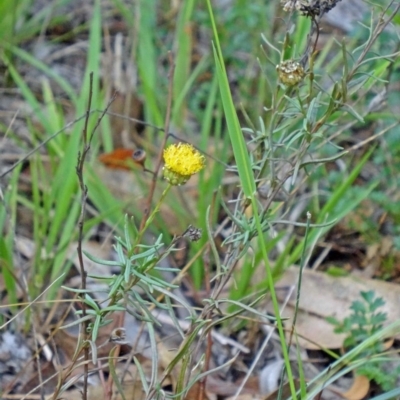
(182, 161)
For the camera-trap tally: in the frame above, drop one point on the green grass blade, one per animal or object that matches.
(183, 55)
(237, 140)
(238, 143)
(247, 180)
(8, 211)
(40, 66)
(147, 62)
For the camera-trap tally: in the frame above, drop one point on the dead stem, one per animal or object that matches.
(84, 194)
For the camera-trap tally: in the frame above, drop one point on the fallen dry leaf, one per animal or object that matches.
(359, 389)
(323, 295)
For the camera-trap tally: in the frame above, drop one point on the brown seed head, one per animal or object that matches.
(290, 72)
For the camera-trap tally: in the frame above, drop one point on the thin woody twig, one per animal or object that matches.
(87, 139)
(84, 191)
(202, 383)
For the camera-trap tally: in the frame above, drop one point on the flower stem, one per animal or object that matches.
(151, 216)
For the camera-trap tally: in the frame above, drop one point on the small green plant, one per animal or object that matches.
(365, 321)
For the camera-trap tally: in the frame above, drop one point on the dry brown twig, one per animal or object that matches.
(87, 139)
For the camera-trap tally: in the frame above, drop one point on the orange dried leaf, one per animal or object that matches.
(118, 159)
(359, 389)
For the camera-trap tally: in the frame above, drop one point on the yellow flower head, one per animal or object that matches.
(182, 161)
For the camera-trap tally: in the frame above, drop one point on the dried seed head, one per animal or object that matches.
(139, 156)
(290, 72)
(118, 335)
(289, 5)
(309, 8)
(193, 233)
